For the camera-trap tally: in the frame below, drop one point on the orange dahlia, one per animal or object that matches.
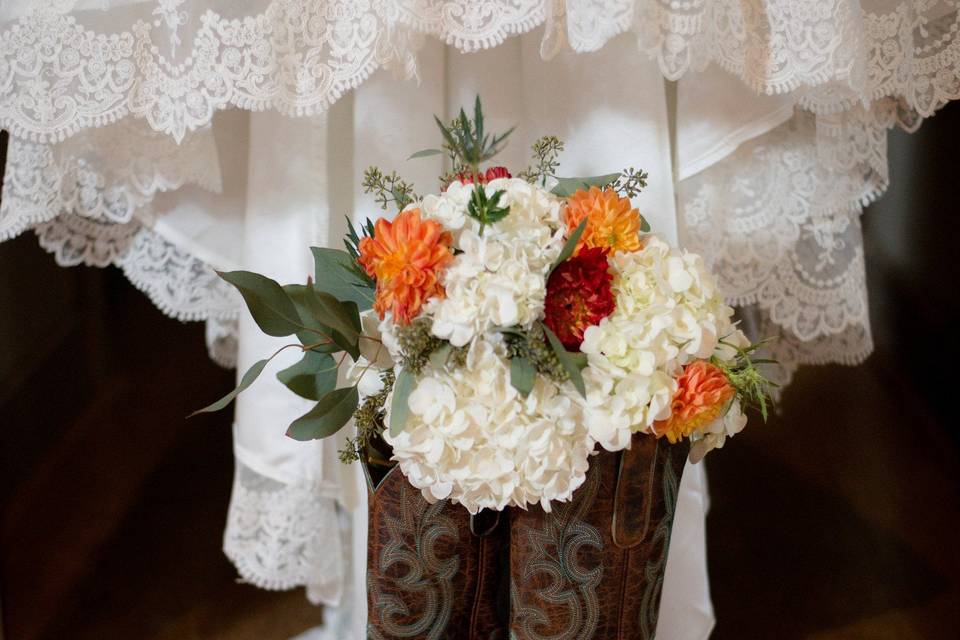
(702, 394)
(405, 257)
(612, 224)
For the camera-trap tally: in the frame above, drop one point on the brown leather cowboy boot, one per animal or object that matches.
(432, 572)
(592, 569)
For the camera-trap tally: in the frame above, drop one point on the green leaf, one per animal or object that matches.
(522, 375)
(438, 359)
(399, 407)
(248, 378)
(330, 414)
(644, 225)
(579, 360)
(486, 210)
(303, 297)
(311, 378)
(424, 153)
(566, 360)
(330, 312)
(571, 244)
(271, 308)
(566, 187)
(333, 274)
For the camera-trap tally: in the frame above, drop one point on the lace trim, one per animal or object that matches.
(58, 76)
(222, 341)
(780, 228)
(282, 536)
(103, 174)
(179, 284)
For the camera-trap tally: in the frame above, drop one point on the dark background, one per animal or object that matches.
(837, 519)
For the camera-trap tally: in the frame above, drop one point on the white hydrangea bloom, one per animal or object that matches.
(499, 278)
(714, 436)
(669, 313)
(375, 358)
(473, 439)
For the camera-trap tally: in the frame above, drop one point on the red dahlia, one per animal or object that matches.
(578, 296)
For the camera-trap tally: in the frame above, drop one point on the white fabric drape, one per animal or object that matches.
(281, 531)
(132, 145)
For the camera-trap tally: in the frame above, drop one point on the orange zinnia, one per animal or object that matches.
(612, 224)
(703, 392)
(406, 257)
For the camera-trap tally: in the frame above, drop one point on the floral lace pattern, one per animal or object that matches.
(104, 174)
(282, 536)
(780, 228)
(179, 284)
(58, 77)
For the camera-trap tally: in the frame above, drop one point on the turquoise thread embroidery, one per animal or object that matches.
(555, 551)
(427, 576)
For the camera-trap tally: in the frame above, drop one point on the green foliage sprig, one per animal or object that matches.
(352, 244)
(468, 140)
(388, 188)
(466, 143)
(486, 210)
(754, 390)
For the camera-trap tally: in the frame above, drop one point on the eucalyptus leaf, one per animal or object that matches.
(353, 311)
(330, 414)
(317, 336)
(345, 344)
(439, 358)
(320, 337)
(644, 225)
(399, 407)
(566, 360)
(332, 271)
(271, 308)
(248, 378)
(566, 187)
(332, 313)
(571, 244)
(314, 376)
(522, 375)
(425, 153)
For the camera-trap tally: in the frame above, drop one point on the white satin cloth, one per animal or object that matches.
(172, 137)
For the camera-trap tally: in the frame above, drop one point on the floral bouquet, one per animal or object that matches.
(499, 330)
(492, 336)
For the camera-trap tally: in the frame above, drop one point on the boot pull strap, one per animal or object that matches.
(484, 523)
(635, 494)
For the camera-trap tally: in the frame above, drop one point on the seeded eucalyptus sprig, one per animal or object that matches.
(388, 188)
(369, 422)
(546, 153)
(630, 182)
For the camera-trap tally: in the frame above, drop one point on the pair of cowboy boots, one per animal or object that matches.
(592, 569)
